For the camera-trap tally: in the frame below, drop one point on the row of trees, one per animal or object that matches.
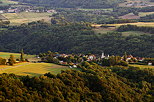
(135, 28)
(11, 61)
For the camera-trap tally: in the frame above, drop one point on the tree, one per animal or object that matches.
(22, 55)
(125, 56)
(11, 60)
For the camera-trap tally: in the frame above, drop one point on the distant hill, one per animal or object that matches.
(75, 3)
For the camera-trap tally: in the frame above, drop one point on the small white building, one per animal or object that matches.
(1, 11)
(150, 64)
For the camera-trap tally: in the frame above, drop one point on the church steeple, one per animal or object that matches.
(103, 56)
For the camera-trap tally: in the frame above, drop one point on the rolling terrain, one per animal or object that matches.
(26, 17)
(32, 69)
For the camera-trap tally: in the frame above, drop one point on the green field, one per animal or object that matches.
(25, 17)
(145, 24)
(141, 14)
(128, 33)
(6, 55)
(112, 29)
(7, 2)
(142, 66)
(32, 69)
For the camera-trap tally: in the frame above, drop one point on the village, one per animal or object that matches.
(27, 8)
(73, 60)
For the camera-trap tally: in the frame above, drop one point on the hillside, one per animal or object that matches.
(72, 38)
(32, 69)
(93, 84)
(75, 3)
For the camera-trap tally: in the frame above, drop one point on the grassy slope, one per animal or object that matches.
(146, 24)
(7, 2)
(142, 66)
(25, 17)
(141, 14)
(127, 33)
(32, 69)
(112, 29)
(16, 55)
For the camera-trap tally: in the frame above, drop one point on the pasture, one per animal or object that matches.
(26, 17)
(136, 33)
(6, 55)
(144, 24)
(7, 2)
(142, 66)
(33, 69)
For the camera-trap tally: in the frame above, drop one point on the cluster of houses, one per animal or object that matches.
(27, 9)
(92, 57)
(141, 3)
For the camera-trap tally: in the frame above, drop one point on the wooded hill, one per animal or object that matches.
(40, 37)
(75, 3)
(93, 84)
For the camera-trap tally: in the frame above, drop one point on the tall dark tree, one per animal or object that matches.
(22, 55)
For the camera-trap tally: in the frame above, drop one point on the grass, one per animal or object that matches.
(145, 24)
(25, 17)
(32, 69)
(103, 30)
(7, 2)
(141, 14)
(142, 66)
(6, 55)
(127, 33)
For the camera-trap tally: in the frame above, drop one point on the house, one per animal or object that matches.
(1, 11)
(12, 10)
(51, 11)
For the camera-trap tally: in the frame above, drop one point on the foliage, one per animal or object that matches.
(72, 38)
(74, 3)
(135, 28)
(2, 61)
(93, 83)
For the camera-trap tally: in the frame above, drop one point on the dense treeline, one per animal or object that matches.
(72, 38)
(135, 28)
(93, 83)
(151, 16)
(74, 3)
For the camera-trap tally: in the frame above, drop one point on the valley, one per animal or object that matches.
(76, 50)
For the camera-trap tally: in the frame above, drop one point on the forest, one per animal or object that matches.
(74, 3)
(39, 37)
(92, 83)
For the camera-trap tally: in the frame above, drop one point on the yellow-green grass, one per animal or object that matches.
(33, 69)
(6, 55)
(142, 66)
(141, 14)
(127, 33)
(7, 2)
(145, 24)
(25, 17)
(103, 30)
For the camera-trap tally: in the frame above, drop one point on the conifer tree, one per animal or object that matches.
(22, 55)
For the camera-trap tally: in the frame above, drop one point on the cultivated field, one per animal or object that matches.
(25, 17)
(6, 55)
(32, 69)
